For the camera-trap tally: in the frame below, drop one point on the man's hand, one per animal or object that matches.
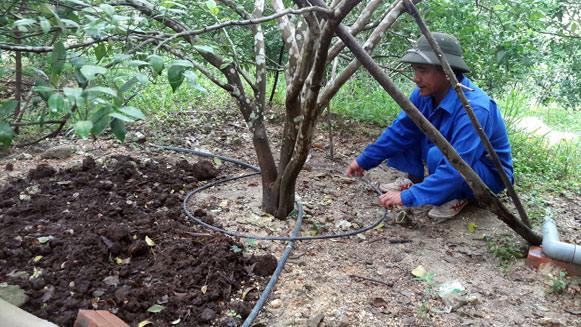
(391, 198)
(354, 169)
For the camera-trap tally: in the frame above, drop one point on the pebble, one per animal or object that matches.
(57, 152)
(276, 303)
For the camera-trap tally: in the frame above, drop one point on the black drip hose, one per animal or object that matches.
(259, 237)
(290, 240)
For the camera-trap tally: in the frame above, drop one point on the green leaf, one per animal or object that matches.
(127, 85)
(107, 9)
(83, 128)
(156, 308)
(236, 249)
(56, 102)
(100, 51)
(6, 133)
(217, 161)
(100, 119)
(536, 16)
(121, 117)
(420, 272)
(120, 57)
(177, 321)
(204, 48)
(182, 63)
(133, 112)
(59, 57)
(8, 107)
(24, 22)
(44, 25)
(149, 241)
(36, 70)
(42, 88)
(77, 2)
(252, 242)
(211, 4)
(471, 227)
(73, 93)
(118, 129)
(156, 63)
(142, 78)
(70, 23)
(90, 72)
(4, 71)
(44, 239)
(175, 76)
(101, 89)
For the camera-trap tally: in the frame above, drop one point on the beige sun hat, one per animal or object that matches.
(422, 53)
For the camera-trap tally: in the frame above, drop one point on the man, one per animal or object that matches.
(407, 148)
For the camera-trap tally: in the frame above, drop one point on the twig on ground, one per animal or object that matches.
(390, 284)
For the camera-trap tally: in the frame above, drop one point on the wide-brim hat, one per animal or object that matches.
(422, 53)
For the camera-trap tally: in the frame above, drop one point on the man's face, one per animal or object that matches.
(431, 81)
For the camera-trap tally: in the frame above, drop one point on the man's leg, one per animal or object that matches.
(488, 176)
(410, 162)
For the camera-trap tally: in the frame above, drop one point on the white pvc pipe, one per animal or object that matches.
(554, 248)
(13, 316)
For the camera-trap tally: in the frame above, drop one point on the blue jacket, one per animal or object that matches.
(452, 121)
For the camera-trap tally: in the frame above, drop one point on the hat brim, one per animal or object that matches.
(413, 57)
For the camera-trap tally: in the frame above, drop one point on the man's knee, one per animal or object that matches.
(435, 158)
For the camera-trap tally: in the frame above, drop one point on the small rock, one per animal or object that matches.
(450, 259)
(453, 300)
(316, 320)
(140, 137)
(343, 321)
(13, 294)
(343, 225)
(57, 152)
(9, 167)
(33, 190)
(24, 197)
(98, 293)
(111, 280)
(208, 315)
(276, 303)
(24, 156)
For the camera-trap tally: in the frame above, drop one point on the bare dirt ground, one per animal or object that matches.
(323, 282)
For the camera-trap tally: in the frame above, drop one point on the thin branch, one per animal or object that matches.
(252, 21)
(32, 123)
(572, 36)
(41, 49)
(390, 284)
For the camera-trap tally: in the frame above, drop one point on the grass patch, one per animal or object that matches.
(365, 101)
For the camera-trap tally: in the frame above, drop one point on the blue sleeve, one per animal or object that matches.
(445, 179)
(401, 134)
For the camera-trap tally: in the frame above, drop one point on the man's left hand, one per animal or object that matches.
(390, 198)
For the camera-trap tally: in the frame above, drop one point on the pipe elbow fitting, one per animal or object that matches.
(555, 249)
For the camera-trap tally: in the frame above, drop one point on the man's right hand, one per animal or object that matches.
(354, 169)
